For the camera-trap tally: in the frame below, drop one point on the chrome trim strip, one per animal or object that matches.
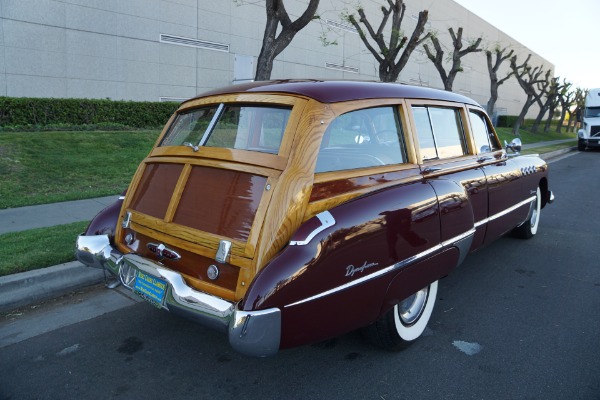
(121, 197)
(503, 213)
(401, 264)
(211, 125)
(327, 221)
(126, 220)
(256, 333)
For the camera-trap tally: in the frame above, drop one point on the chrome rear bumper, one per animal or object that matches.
(254, 333)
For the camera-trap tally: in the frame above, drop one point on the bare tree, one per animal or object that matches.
(548, 89)
(579, 104)
(565, 98)
(274, 44)
(388, 54)
(493, 67)
(528, 79)
(457, 54)
(561, 90)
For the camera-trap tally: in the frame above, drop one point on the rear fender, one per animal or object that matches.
(105, 222)
(333, 276)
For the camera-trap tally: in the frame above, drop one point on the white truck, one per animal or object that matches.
(589, 134)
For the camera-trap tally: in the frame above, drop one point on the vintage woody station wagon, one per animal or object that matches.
(285, 213)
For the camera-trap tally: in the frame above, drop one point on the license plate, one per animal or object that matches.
(150, 288)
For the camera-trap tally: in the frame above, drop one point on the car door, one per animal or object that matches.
(504, 180)
(449, 163)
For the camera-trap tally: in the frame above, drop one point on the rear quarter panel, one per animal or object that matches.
(336, 283)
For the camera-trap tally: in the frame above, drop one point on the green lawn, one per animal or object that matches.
(48, 167)
(527, 137)
(45, 167)
(38, 248)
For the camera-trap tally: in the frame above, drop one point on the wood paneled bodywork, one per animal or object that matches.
(394, 228)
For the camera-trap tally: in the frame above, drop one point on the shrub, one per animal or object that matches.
(39, 113)
(506, 121)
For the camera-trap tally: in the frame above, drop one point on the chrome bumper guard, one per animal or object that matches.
(253, 333)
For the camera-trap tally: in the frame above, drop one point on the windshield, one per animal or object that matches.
(592, 112)
(230, 126)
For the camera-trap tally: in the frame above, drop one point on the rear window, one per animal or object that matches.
(230, 126)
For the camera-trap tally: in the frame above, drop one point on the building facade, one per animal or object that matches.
(163, 50)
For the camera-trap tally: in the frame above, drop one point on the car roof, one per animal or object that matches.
(338, 91)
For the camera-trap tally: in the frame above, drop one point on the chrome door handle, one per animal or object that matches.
(430, 170)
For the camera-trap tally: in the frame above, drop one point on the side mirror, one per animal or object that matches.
(514, 146)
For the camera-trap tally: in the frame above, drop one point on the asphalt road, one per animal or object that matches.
(518, 320)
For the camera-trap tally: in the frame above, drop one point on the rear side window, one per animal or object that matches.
(360, 139)
(483, 135)
(440, 132)
(231, 126)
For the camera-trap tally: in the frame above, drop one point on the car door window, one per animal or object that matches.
(485, 140)
(440, 132)
(363, 138)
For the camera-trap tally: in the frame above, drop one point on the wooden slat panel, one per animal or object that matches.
(291, 192)
(207, 240)
(183, 178)
(252, 169)
(155, 189)
(201, 249)
(231, 155)
(220, 201)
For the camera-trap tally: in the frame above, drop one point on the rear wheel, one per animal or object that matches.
(529, 228)
(404, 323)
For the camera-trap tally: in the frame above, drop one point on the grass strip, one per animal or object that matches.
(38, 248)
(527, 137)
(48, 167)
(548, 149)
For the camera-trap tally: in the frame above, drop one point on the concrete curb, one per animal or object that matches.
(26, 288)
(556, 153)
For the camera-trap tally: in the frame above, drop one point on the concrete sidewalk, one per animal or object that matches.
(26, 288)
(45, 215)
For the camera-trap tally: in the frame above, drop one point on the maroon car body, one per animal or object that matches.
(289, 212)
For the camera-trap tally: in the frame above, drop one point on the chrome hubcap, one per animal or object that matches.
(534, 216)
(411, 308)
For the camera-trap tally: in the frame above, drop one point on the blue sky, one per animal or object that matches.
(564, 33)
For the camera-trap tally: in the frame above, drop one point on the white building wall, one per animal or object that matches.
(113, 48)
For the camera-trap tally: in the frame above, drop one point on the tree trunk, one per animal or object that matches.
(549, 120)
(272, 44)
(561, 121)
(493, 97)
(528, 103)
(264, 63)
(538, 119)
